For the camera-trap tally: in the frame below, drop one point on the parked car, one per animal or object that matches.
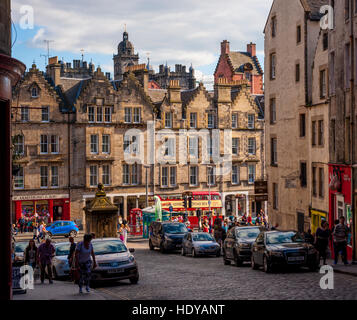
(282, 248)
(167, 236)
(114, 261)
(200, 244)
(62, 228)
(238, 243)
(60, 264)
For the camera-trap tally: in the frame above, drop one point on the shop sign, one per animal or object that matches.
(261, 197)
(260, 187)
(42, 197)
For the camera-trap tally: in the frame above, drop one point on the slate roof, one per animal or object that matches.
(238, 59)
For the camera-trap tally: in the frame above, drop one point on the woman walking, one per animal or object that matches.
(84, 252)
(30, 254)
(205, 226)
(322, 238)
(124, 229)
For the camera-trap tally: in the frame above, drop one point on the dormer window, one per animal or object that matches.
(34, 92)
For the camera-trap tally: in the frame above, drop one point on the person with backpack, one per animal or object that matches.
(340, 237)
(85, 259)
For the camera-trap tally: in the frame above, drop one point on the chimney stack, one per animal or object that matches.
(54, 70)
(225, 47)
(174, 91)
(252, 49)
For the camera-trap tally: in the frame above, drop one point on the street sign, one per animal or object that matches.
(260, 187)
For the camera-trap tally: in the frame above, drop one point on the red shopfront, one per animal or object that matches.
(50, 210)
(340, 198)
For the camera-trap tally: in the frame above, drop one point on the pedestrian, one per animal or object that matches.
(124, 229)
(22, 224)
(45, 254)
(340, 237)
(249, 220)
(225, 226)
(70, 257)
(205, 226)
(36, 233)
(84, 255)
(30, 254)
(309, 238)
(322, 237)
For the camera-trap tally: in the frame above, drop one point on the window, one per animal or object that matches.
(321, 182)
(314, 184)
(19, 179)
(19, 145)
(193, 176)
(164, 176)
(303, 174)
(134, 174)
(193, 120)
(127, 143)
(251, 146)
(302, 125)
(297, 72)
(313, 133)
(137, 115)
(320, 138)
(251, 119)
(169, 147)
(298, 34)
(210, 146)
(126, 174)
(273, 26)
(34, 92)
(106, 175)
(235, 174)
(323, 91)
(45, 114)
(91, 117)
(251, 173)
(193, 146)
(210, 121)
(127, 115)
(274, 151)
(211, 176)
(44, 143)
(325, 41)
(275, 196)
(235, 146)
(168, 120)
(94, 143)
(107, 114)
(173, 176)
(234, 120)
(44, 176)
(54, 144)
(99, 114)
(106, 143)
(272, 66)
(272, 110)
(54, 176)
(135, 144)
(93, 176)
(25, 114)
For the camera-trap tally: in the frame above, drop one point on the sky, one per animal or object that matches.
(166, 31)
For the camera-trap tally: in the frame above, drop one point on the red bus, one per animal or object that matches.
(200, 201)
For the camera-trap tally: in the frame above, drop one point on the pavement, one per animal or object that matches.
(350, 269)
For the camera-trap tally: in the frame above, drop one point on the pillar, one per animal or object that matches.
(125, 208)
(18, 210)
(50, 209)
(223, 205)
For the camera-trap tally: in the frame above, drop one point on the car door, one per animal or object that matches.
(55, 227)
(184, 243)
(228, 243)
(159, 234)
(260, 246)
(189, 243)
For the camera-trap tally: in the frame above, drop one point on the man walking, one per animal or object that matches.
(46, 252)
(340, 237)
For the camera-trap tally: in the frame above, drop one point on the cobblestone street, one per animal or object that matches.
(171, 276)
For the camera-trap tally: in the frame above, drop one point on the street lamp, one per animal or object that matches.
(146, 166)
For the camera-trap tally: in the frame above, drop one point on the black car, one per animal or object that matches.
(238, 243)
(167, 236)
(282, 248)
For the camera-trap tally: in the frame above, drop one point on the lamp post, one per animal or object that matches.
(146, 166)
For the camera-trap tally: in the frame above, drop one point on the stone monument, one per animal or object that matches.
(101, 216)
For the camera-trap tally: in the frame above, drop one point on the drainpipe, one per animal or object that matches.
(352, 102)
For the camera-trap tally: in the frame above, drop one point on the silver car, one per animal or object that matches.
(60, 264)
(200, 243)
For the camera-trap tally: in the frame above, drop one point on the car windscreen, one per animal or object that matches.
(202, 237)
(249, 233)
(175, 228)
(284, 237)
(63, 249)
(20, 246)
(108, 247)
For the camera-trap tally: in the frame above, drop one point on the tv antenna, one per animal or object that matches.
(48, 47)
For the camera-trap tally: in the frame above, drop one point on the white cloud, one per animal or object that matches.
(177, 32)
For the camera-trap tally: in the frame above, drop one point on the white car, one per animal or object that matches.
(60, 263)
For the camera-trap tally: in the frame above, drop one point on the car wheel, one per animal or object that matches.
(73, 234)
(194, 254)
(266, 264)
(183, 253)
(237, 261)
(225, 260)
(151, 247)
(253, 264)
(134, 280)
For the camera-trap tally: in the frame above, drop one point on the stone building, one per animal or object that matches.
(108, 132)
(239, 65)
(296, 99)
